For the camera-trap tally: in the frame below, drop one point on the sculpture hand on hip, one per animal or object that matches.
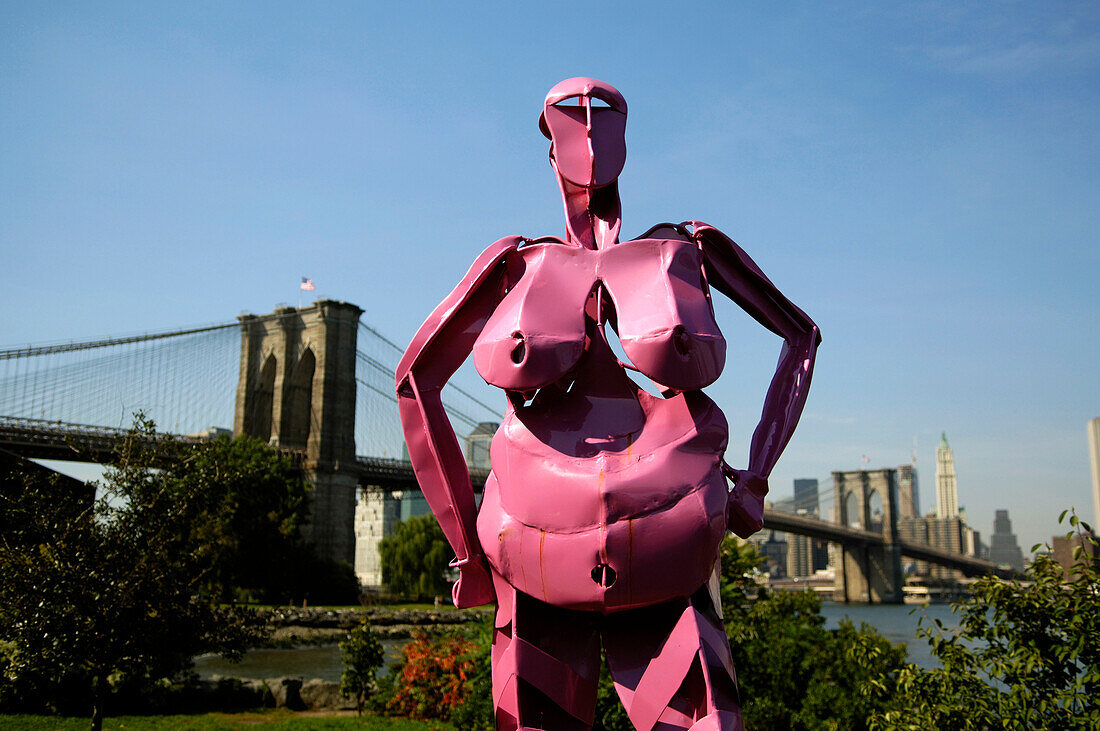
(474, 586)
(745, 514)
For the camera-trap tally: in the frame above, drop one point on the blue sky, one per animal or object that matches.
(921, 178)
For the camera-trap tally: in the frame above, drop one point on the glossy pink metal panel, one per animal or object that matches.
(606, 505)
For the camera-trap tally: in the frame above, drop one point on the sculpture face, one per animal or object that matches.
(588, 142)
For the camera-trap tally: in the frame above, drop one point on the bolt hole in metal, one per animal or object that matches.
(604, 575)
(680, 340)
(519, 351)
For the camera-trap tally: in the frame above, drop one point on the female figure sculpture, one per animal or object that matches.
(603, 514)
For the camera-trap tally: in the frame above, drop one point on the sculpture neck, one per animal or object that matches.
(592, 216)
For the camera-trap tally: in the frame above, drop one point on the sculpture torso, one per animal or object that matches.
(588, 469)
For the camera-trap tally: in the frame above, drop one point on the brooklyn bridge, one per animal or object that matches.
(318, 381)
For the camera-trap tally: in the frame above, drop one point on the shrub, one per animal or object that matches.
(792, 671)
(363, 656)
(434, 677)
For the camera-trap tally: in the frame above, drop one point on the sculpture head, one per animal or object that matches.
(585, 120)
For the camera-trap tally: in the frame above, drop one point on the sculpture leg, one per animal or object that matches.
(546, 664)
(672, 667)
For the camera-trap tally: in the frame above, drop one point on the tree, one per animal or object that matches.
(1026, 654)
(99, 594)
(415, 558)
(249, 503)
(363, 656)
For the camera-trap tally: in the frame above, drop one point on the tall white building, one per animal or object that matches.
(947, 493)
(1094, 456)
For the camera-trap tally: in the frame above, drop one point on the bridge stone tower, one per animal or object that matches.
(867, 499)
(297, 390)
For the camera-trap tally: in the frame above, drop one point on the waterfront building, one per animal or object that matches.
(972, 542)
(805, 555)
(478, 442)
(1003, 547)
(377, 513)
(947, 494)
(1064, 547)
(946, 534)
(1094, 458)
(774, 551)
(799, 556)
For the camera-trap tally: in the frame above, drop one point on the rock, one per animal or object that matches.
(286, 692)
(258, 689)
(320, 694)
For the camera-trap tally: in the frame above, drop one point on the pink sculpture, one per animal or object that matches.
(602, 517)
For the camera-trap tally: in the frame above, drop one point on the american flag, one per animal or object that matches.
(307, 284)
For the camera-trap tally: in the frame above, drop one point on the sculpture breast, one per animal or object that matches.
(662, 313)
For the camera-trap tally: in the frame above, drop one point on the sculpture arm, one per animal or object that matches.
(439, 347)
(730, 270)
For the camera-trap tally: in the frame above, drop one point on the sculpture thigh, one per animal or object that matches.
(672, 666)
(670, 663)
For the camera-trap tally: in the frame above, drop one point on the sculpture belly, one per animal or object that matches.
(654, 512)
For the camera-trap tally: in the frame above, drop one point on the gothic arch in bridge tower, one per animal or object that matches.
(850, 516)
(875, 511)
(264, 399)
(298, 414)
(297, 389)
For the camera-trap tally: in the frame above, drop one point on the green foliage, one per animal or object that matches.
(415, 558)
(316, 580)
(105, 594)
(250, 502)
(1026, 654)
(792, 672)
(610, 714)
(363, 656)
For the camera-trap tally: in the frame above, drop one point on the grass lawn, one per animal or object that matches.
(273, 720)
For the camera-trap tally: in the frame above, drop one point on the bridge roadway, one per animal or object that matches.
(823, 530)
(40, 439)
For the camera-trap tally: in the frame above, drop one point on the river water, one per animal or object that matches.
(897, 623)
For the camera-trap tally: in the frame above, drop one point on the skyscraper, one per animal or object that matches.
(1003, 548)
(1094, 457)
(947, 494)
(908, 495)
(804, 554)
(805, 496)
